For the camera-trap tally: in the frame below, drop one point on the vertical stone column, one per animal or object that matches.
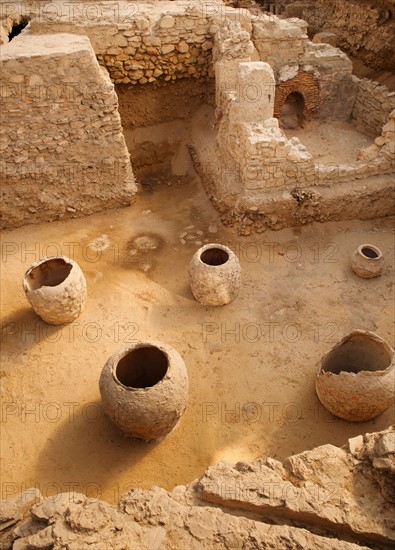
(255, 92)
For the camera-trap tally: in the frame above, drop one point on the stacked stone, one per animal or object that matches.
(386, 141)
(373, 105)
(278, 41)
(363, 29)
(62, 147)
(381, 153)
(177, 46)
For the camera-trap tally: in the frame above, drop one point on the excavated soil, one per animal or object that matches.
(334, 141)
(251, 364)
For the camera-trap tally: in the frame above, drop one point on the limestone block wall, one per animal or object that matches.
(145, 42)
(250, 140)
(333, 70)
(373, 105)
(322, 73)
(279, 41)
(170, 40)
(328, 498)
(63, 153)
(382, 151)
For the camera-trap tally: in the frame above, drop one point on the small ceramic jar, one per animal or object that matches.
(56, 288)
(144, 389)
(367, 261)
(214, 274)
(356, 379)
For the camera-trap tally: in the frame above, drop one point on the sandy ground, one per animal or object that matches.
(251, 364)
(332, 141)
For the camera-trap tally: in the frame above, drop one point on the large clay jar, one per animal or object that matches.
(367, 261)
(144, 389)
(214, 274)
(356, 379)
(56, 288)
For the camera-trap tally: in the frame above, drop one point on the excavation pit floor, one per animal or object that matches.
(334, 141)
(251, 364)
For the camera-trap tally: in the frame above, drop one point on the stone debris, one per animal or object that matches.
(328, 498)
(13, 510)
(326, 486)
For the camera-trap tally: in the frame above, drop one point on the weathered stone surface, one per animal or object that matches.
(161, 35)
(362, 30)
(198, 527)
(327, 498)
(326, 486)
(13, 510)
(73, 521)
(63, 127)
(373, 106)
(155, 519)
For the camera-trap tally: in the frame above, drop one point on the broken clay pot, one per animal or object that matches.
(144, 389)
(215, 275)
(356, 379)
(56, 289)
(367, 261)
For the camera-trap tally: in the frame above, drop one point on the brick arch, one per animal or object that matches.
(305, 84)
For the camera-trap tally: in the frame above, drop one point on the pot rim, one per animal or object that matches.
(370, 335)
(374, 248)
(117, 356)
(42, 261)
(210, 246)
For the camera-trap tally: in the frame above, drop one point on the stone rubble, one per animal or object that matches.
(329, 498)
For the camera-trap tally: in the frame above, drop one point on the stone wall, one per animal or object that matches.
(249, 100)
(144, 43)
(363, 28)
(323, 72)
(63, 153)
(279, 41)
(373, 106)
(174, 40)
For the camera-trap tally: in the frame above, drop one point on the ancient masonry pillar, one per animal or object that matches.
(255, 91)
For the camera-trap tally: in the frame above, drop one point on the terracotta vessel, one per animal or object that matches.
(367, 261)
(56, 288)
(144, 389)
(356, 379)
(215, 275)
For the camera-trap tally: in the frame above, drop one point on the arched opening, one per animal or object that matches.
(292, 111)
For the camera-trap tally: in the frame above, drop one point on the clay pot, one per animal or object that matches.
(144, 389)
(214, 274)
(56, 288)
(367, 261)
(356, 379)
